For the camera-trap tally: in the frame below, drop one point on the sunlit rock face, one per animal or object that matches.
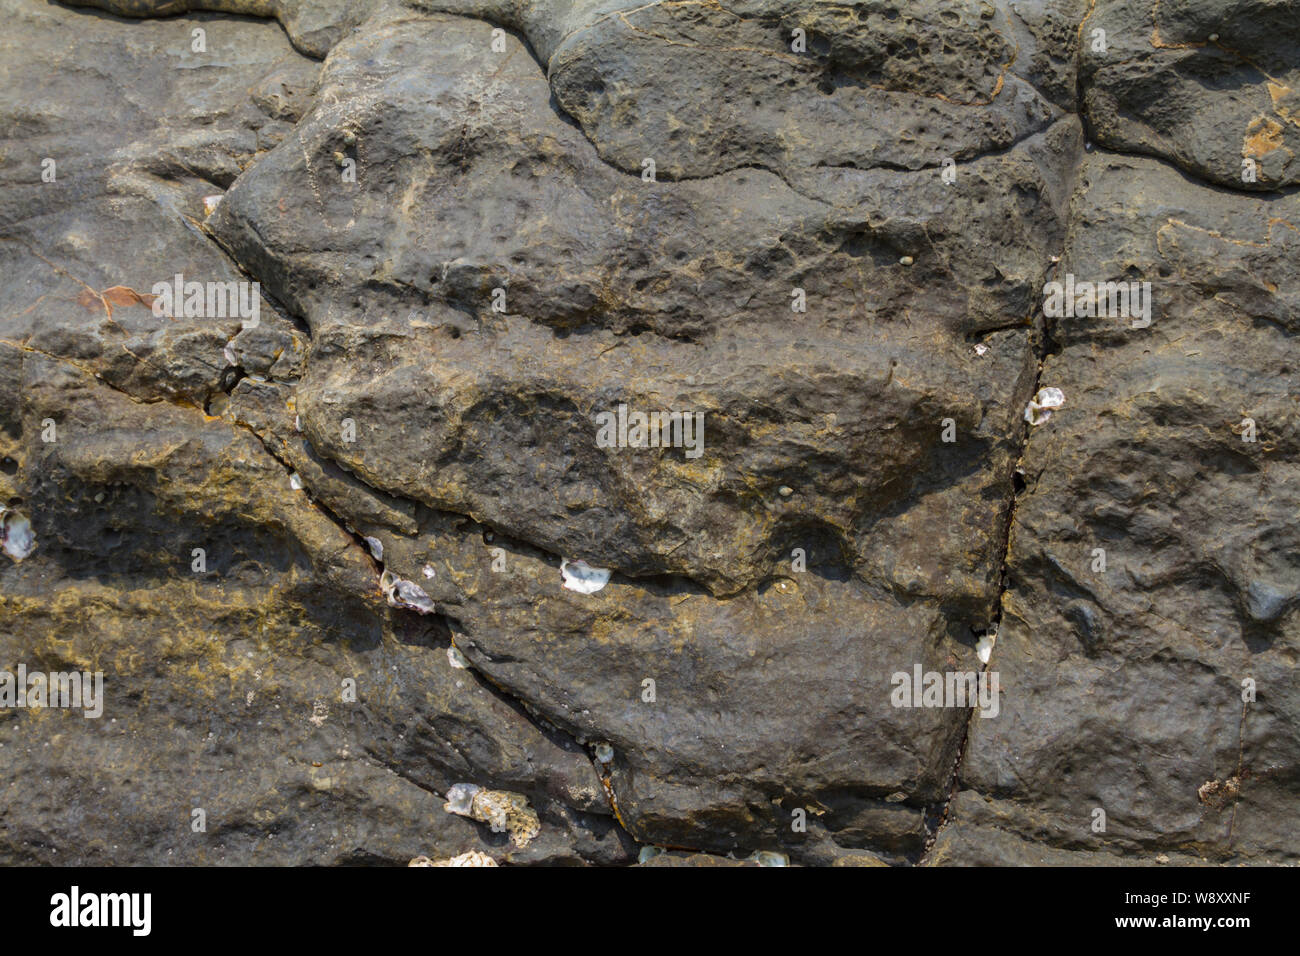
(537, 433)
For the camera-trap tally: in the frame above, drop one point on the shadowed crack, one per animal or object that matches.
(940, 815)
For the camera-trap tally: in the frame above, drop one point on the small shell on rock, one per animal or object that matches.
(460, 799)
(469, 858)
(768, 858)
(604, 752)
(210, 204)
(648, 853)
(376, 548)
(906, 261)
(294, 481)
(428, 571)
(1040, 406)
(582, 577)
(505, 812)
(16, 534)
(984, 646)
(457, 659)
(407, 594)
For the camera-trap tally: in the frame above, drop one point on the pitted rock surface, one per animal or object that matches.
(825, 228)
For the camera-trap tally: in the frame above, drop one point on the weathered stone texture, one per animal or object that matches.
(476, 226)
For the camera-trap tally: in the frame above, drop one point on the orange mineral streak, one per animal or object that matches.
(1262, 136)
(118, 295)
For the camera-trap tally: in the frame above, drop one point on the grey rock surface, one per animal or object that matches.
(325, 556)
(1210, 85)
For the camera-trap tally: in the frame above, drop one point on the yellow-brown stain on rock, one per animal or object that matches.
(1262, 137)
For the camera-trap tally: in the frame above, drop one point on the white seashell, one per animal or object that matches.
(294, 481)
(407, 594)
(582, 577)
(210, 204)
(457, 659)
(460, 799)
(984, 646)
(1050, 397)
(16, 534)
(768, 858)
(1040, 406)
(376, 548)
(604, 752)
(428, 571)
(414, 597)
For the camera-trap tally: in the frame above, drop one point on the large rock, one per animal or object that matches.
(823, 434)
(1154, 564)
(328, 560)
(1213, 85)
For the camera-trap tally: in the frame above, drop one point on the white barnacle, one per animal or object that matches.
(457, 659)
(582, 577)
(984, 646)
(294, 481)
(210, 204)
(376, 548)
(1040, 406)
(604, 752)
(769, 858)
(16, 534)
